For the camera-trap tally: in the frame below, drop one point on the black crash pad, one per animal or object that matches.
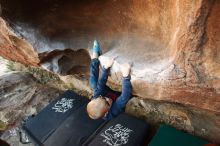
(124, 130)
(75, 130)
(44, 124)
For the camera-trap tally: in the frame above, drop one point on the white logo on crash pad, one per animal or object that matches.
(63, 105)
(116, 135)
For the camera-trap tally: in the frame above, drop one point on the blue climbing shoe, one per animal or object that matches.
(96, 48)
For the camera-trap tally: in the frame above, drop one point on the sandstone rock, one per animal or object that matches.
(174, 49)
(74, 82)
(15, 48)
(4, 68)
(21, 96)
(174, 45)
(195, 121)
(66, 62)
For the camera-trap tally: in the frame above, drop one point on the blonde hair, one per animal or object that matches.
(97, 108)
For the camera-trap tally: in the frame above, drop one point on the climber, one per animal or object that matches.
(105, 102)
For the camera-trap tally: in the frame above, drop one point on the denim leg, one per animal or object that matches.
(101, 85)
(94, 73)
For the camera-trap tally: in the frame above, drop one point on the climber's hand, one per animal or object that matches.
(125, 69)
(108, 62)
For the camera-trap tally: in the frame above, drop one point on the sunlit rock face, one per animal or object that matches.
(173, 44)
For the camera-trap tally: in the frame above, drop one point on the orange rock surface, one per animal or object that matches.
(174, 45)
(14, 48)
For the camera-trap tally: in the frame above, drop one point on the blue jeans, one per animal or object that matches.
(98, 83)
(94, 73)
(99, 87)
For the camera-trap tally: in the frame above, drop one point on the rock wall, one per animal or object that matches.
(174, 45)
(66, 62)
(15, 48)
(22, 96)
(195, 121)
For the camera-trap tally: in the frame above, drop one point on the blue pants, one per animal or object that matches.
(94, 73)
(99, 87)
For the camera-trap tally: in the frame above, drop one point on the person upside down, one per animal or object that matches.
(105, 102)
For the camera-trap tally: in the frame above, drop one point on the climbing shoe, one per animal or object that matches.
(96, 48)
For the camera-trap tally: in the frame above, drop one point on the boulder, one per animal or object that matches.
(198, 122)
(173, 45)
(15, 48)
(22, 96)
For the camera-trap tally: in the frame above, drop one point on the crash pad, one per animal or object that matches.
(45, 123)
(75, 130)
(169, 136)
(124, 130)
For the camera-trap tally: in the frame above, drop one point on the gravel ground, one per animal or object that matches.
(13, 137)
